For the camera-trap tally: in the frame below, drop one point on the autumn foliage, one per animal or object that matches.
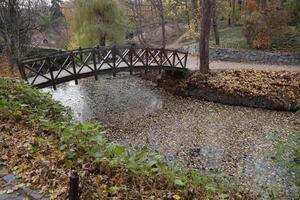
(251, 6)
(262, 27)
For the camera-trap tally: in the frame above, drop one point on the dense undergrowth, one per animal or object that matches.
(42, 145)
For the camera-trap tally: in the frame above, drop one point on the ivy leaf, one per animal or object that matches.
(98, 139)
(223, 196)
(117, 150)
(63, 147)
(179, 182)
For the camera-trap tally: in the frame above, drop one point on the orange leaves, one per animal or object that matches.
(262, 27)
(251, 5)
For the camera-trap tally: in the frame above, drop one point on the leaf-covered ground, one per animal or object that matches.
(276, 86)
(41, 145)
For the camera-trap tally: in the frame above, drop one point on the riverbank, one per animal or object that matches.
(208, 136)
(251, 88)
(41, 145)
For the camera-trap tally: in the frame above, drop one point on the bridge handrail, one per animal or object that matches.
(85, 50)
(83, 62)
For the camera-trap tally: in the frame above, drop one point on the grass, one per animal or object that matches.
(43, 132)
(232, 37)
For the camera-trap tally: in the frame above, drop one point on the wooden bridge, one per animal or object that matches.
(63, 66)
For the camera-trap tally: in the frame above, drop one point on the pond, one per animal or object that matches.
(213, 138)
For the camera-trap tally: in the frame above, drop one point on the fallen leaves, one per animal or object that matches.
(277, 86)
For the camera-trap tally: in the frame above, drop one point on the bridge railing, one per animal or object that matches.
(79, 63)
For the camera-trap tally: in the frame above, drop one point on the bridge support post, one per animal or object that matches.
(114, 58)
(95, 64)
(74, 187)
(174, 60)
(147, 60)
(185, 59)
(22, 70)
(48, 62)
(74, 67)
(160, 60)
(131, 59)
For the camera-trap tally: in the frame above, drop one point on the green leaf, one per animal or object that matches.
(97, 139)
(223, 196)
(211, 188)
(116, 149)
(179, 182)
(68, 164)
(63, 147)
(71, 153)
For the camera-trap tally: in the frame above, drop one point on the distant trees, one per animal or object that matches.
(55, 9)
(18, 21)
(98, 22)
(158, 5)
(293, 7)
(262, 27)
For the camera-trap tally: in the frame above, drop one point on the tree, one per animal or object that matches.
(18, 21)
(98, 21)
(55, 9)
(293, 7)
(207, 12)
(215, 24)
(157, 4)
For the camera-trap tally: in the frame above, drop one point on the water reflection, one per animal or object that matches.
(109, 99)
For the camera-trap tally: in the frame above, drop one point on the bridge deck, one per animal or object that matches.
(66, 66)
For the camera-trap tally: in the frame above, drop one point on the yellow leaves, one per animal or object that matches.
(176, 197)
(26, 198)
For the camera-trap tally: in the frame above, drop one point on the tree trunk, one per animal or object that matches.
(194, 7)
(102, 40)
(187, 13)
(207, 10)
(263, 4)
(240, 2)
(163, 24)
(215, 25)
(233, 13)
(229, 15)
(13, 49)
(158, 5)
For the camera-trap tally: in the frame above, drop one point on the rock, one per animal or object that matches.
(10, 178)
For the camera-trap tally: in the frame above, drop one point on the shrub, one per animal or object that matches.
(262, 27)
(293, 7)
(251, 6)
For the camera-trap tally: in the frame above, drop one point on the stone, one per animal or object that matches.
(10, 178)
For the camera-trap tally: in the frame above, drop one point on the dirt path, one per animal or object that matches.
(193, 64)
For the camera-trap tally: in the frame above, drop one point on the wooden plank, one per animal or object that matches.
(95, 64)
